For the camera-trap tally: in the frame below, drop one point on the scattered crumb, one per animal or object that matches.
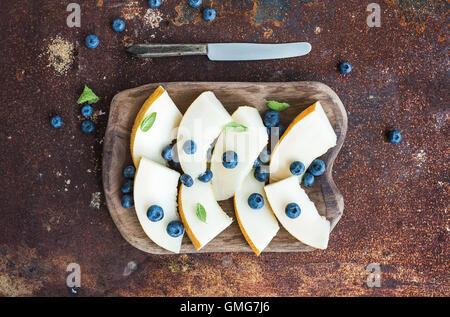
(153, 18)
(317, 30)
(127, 41)
(68, 181)
(89, 170)
(58, 173)
(131, 10)
(60, 55)
(420, 157)
(95, 200)
(267, 33)
(97, 114)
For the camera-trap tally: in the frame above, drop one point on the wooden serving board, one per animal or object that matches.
(300, 95)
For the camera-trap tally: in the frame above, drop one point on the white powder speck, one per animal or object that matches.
(152, 18)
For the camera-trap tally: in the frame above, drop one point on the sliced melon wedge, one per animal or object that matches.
(147, 139)
(309, 136)
(309, 227)
(258, 226)
(202, 123)
(215, 219)
(247, 144)
(155, 184)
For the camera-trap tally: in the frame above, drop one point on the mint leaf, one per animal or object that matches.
(277, 106)
(236, 127)
(200, 212)
(88, 96)
(147, 123)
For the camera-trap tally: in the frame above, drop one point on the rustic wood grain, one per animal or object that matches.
(116, 154)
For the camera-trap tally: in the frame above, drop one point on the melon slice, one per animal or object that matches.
(155, 184)
(309, 136)
(202, 123)
(258, 226)
(247, 144)
(309, 227)
(148, 140)
(216, 220)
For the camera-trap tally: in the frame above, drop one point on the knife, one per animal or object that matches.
(223, 51)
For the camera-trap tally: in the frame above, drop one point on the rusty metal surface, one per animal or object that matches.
(396, 197)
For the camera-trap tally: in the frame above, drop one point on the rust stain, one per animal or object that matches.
(418, 13)
(186, 14)
(17, 276)
(269, 11)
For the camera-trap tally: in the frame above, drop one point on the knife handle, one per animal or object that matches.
(165, 50)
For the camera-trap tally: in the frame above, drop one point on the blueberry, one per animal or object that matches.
(118, 25)
(269, 131)
(264, 156)
(209, 14)
(87, 110)
(308, 179)
(293, 210)
(256, 201)
(155, 213)
(261, 173)
(129, 171)
(187, 180)
(281, 129)
(154, 3)
(394, 137)
(345, 68)
(317, 167)
(206, 176)
(175, 229)
(271, 118)
(127, 201)
(229, 159)
(297, 168)
(56, 122)
(87, 126)
(190, 147)
(195, 3)
(92, 41)
(127, 186)
(167, 153)
(257, 163)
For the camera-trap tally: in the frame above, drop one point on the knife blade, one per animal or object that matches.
(223, 51)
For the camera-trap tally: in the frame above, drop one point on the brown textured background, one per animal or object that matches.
(396, 197)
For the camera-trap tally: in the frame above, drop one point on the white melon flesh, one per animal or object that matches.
(202, 123)
(217, 220)
(150, 143)
(310, 227)
(247, 144)
(258, 226)
(309, 136)
(156, 184)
